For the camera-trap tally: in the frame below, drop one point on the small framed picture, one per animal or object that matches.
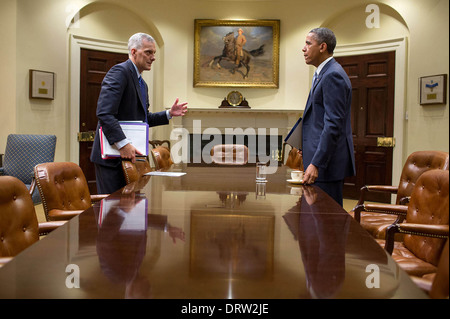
(433, 89)
(42, 85)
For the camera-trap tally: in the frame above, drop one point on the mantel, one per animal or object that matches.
(241, 110)
(223, 118)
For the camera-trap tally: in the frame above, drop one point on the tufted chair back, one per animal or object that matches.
(18, 222)
(229, 154)
(429, 205)
(63, 188)
(416, 164)
(134, 171)
(156, 143)
(161, 157)
(294, 160)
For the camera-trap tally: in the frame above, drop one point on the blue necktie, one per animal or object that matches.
(143, 95)
(143, 90)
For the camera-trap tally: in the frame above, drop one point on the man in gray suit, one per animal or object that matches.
(327, 142)
(124, 97)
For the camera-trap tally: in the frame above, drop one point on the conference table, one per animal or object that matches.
(210, 233)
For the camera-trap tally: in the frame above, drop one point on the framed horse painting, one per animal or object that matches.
(236, 53)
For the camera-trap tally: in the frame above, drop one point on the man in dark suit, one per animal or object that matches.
(124, 97)
(327, 142)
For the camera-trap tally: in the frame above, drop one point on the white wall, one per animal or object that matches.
(8, 71)
(38, 28)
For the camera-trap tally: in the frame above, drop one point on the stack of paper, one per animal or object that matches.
(136, 132)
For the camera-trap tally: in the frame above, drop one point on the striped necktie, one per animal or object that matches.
(314, 80)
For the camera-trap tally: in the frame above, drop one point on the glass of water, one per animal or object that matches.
(261, 171)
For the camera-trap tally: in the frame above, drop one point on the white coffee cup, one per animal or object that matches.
(297, 175)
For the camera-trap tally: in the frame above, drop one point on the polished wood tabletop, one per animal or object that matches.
(213, 233)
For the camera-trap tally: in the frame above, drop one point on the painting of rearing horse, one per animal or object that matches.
(230, 52)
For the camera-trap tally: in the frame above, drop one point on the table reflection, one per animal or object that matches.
(230, 245)
(322, 240)
(122, 240)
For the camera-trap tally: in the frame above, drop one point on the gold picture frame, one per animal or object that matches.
(216, 62)
(42, 85)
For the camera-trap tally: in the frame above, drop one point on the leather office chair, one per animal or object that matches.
(229, 154)
(19, 227)
(134, 171)
(64, 190)
(162, 158)
(426, 227)
(294, 160)
(161, 154)
(22, 153)
(156, 143)
(437, 284)
(375, 218)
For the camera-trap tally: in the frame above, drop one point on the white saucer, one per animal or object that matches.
(293, 181)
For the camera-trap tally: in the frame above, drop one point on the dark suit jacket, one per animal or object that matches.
(120, 100)
(326, 130)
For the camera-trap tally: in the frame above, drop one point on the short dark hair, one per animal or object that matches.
(325, 35)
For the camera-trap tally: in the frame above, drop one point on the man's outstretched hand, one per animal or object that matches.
(178, 109)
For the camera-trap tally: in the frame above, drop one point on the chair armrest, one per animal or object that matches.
(386, 209)
(382, 188)
(32, 186)
(437, 231)
(399, 210)
(48, 227)
(404, 200)
(61, 215)
(97, 198)
(375, 188)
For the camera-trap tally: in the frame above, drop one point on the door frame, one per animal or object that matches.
(398, 45)
(76, 44)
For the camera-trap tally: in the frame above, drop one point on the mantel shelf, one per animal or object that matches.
(224, 118)
(240, 110)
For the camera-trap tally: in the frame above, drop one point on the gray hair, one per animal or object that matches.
(325, 35)
(135, 41)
